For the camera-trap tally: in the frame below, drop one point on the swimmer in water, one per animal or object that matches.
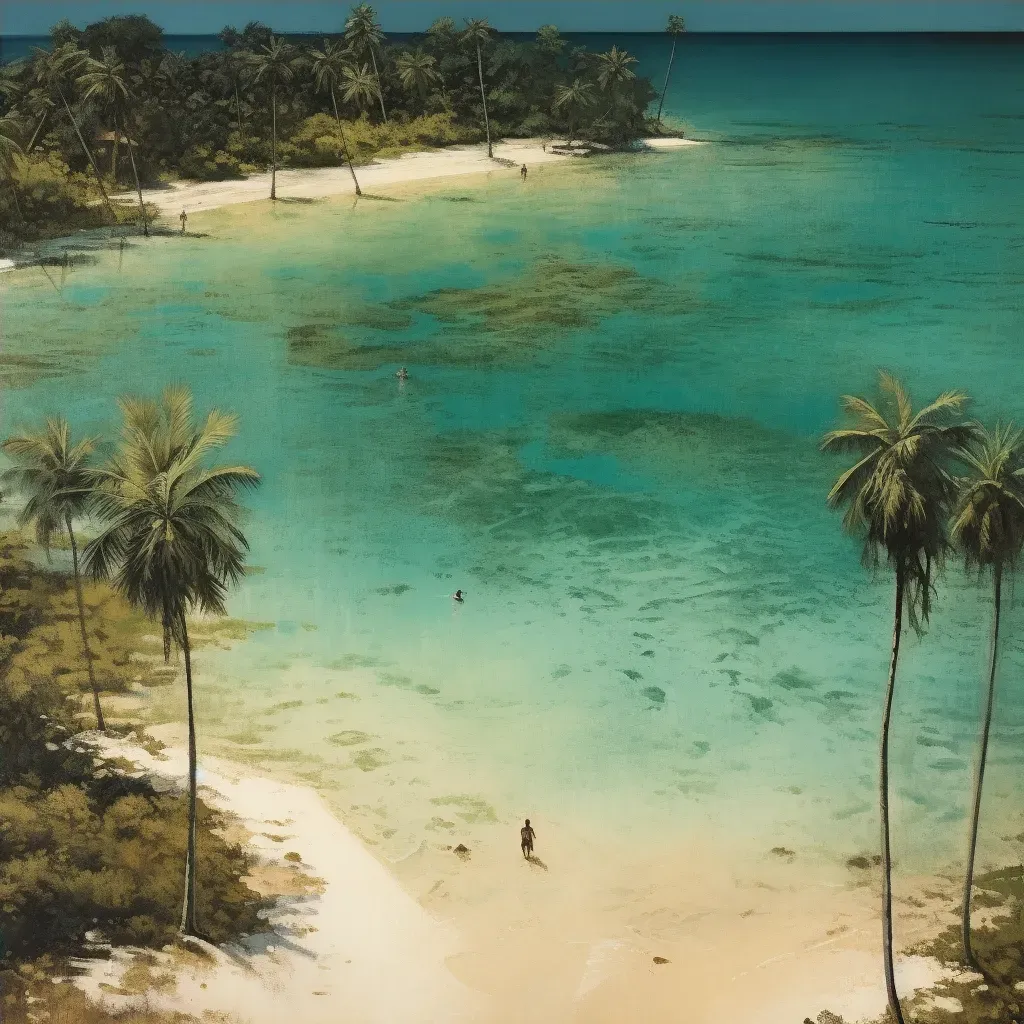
(403, 374)
(457, 596)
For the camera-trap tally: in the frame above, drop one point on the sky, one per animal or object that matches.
(34, 17)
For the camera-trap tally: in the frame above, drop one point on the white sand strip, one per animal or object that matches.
(363, 951)
(198, 197)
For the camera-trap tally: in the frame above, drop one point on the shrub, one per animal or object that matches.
(82, 845)
(201, 163)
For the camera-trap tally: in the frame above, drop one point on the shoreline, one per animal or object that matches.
(309, 184)
(489, 930)
(320, 183)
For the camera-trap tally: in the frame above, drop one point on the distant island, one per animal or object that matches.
(108, 108)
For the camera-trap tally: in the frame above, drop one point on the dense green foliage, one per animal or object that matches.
(83, 846)
(213, 115)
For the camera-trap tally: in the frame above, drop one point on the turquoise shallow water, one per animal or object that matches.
(618, 375)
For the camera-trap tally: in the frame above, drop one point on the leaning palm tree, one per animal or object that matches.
(359, 86)
(418, 73)
(329, 65)
(988, 529)
(478, 34)
(10, 150)
(676, 26)
(363, 34)
(897, 495)
(172, 543)
(55, 70)
(275, 64)
(573, 99)
(104, 80)
(54, 475)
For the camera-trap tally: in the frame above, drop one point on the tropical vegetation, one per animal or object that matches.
(75, 832)
(109, 108)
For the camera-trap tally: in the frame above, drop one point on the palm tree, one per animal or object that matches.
(478, 33)
(363, 33)
(418, 73)
(172, 543)
(329, 66)
(360, 86)
(676, 27)
(55, 476)
(10, 132)
(613, 68)
(55, 70)
(988, 528)
(276, 64)
(575, 99)
(897, 495)
(104, 80)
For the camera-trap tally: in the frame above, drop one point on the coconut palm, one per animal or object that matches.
(329, 66)
(10, 150)
(56, 70)
(418, 73)
(675, 28)
(573, 99)
(478, 34)
(172, 544)
(104, 81)
(276, 63)
(988, 529)
(363, 34)
(613, 68)
(897, 495)
(54, 475)
(360, 86)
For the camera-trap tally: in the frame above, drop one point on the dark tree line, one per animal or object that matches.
(113, 103)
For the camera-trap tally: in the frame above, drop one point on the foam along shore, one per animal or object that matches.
(358, 942)
(197, 197)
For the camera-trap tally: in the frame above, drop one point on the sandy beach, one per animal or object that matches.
(491, 930)
(196, 197)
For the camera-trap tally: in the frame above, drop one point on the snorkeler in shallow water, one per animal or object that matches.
(457, 596)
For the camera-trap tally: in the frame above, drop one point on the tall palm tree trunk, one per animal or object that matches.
(87, 151)
(17, 201)
(138, 189)
(81, 623)
(344, 142)
(166, 624)
(115, 150)
(380, 90)
(189, 925)
(979, 779)
(483, 96)
(883, 788)
(38, 131)
(668, 75)
(273, 170)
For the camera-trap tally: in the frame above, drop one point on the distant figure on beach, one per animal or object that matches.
(457, 596)
(183, 217)
(522, 172)
(527, 835)
(544, 146)
(403, 374)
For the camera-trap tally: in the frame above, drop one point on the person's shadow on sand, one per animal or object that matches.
(536, 862)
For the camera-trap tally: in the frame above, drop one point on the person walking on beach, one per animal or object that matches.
(527, 836)
(522, 172)
(183, 217)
